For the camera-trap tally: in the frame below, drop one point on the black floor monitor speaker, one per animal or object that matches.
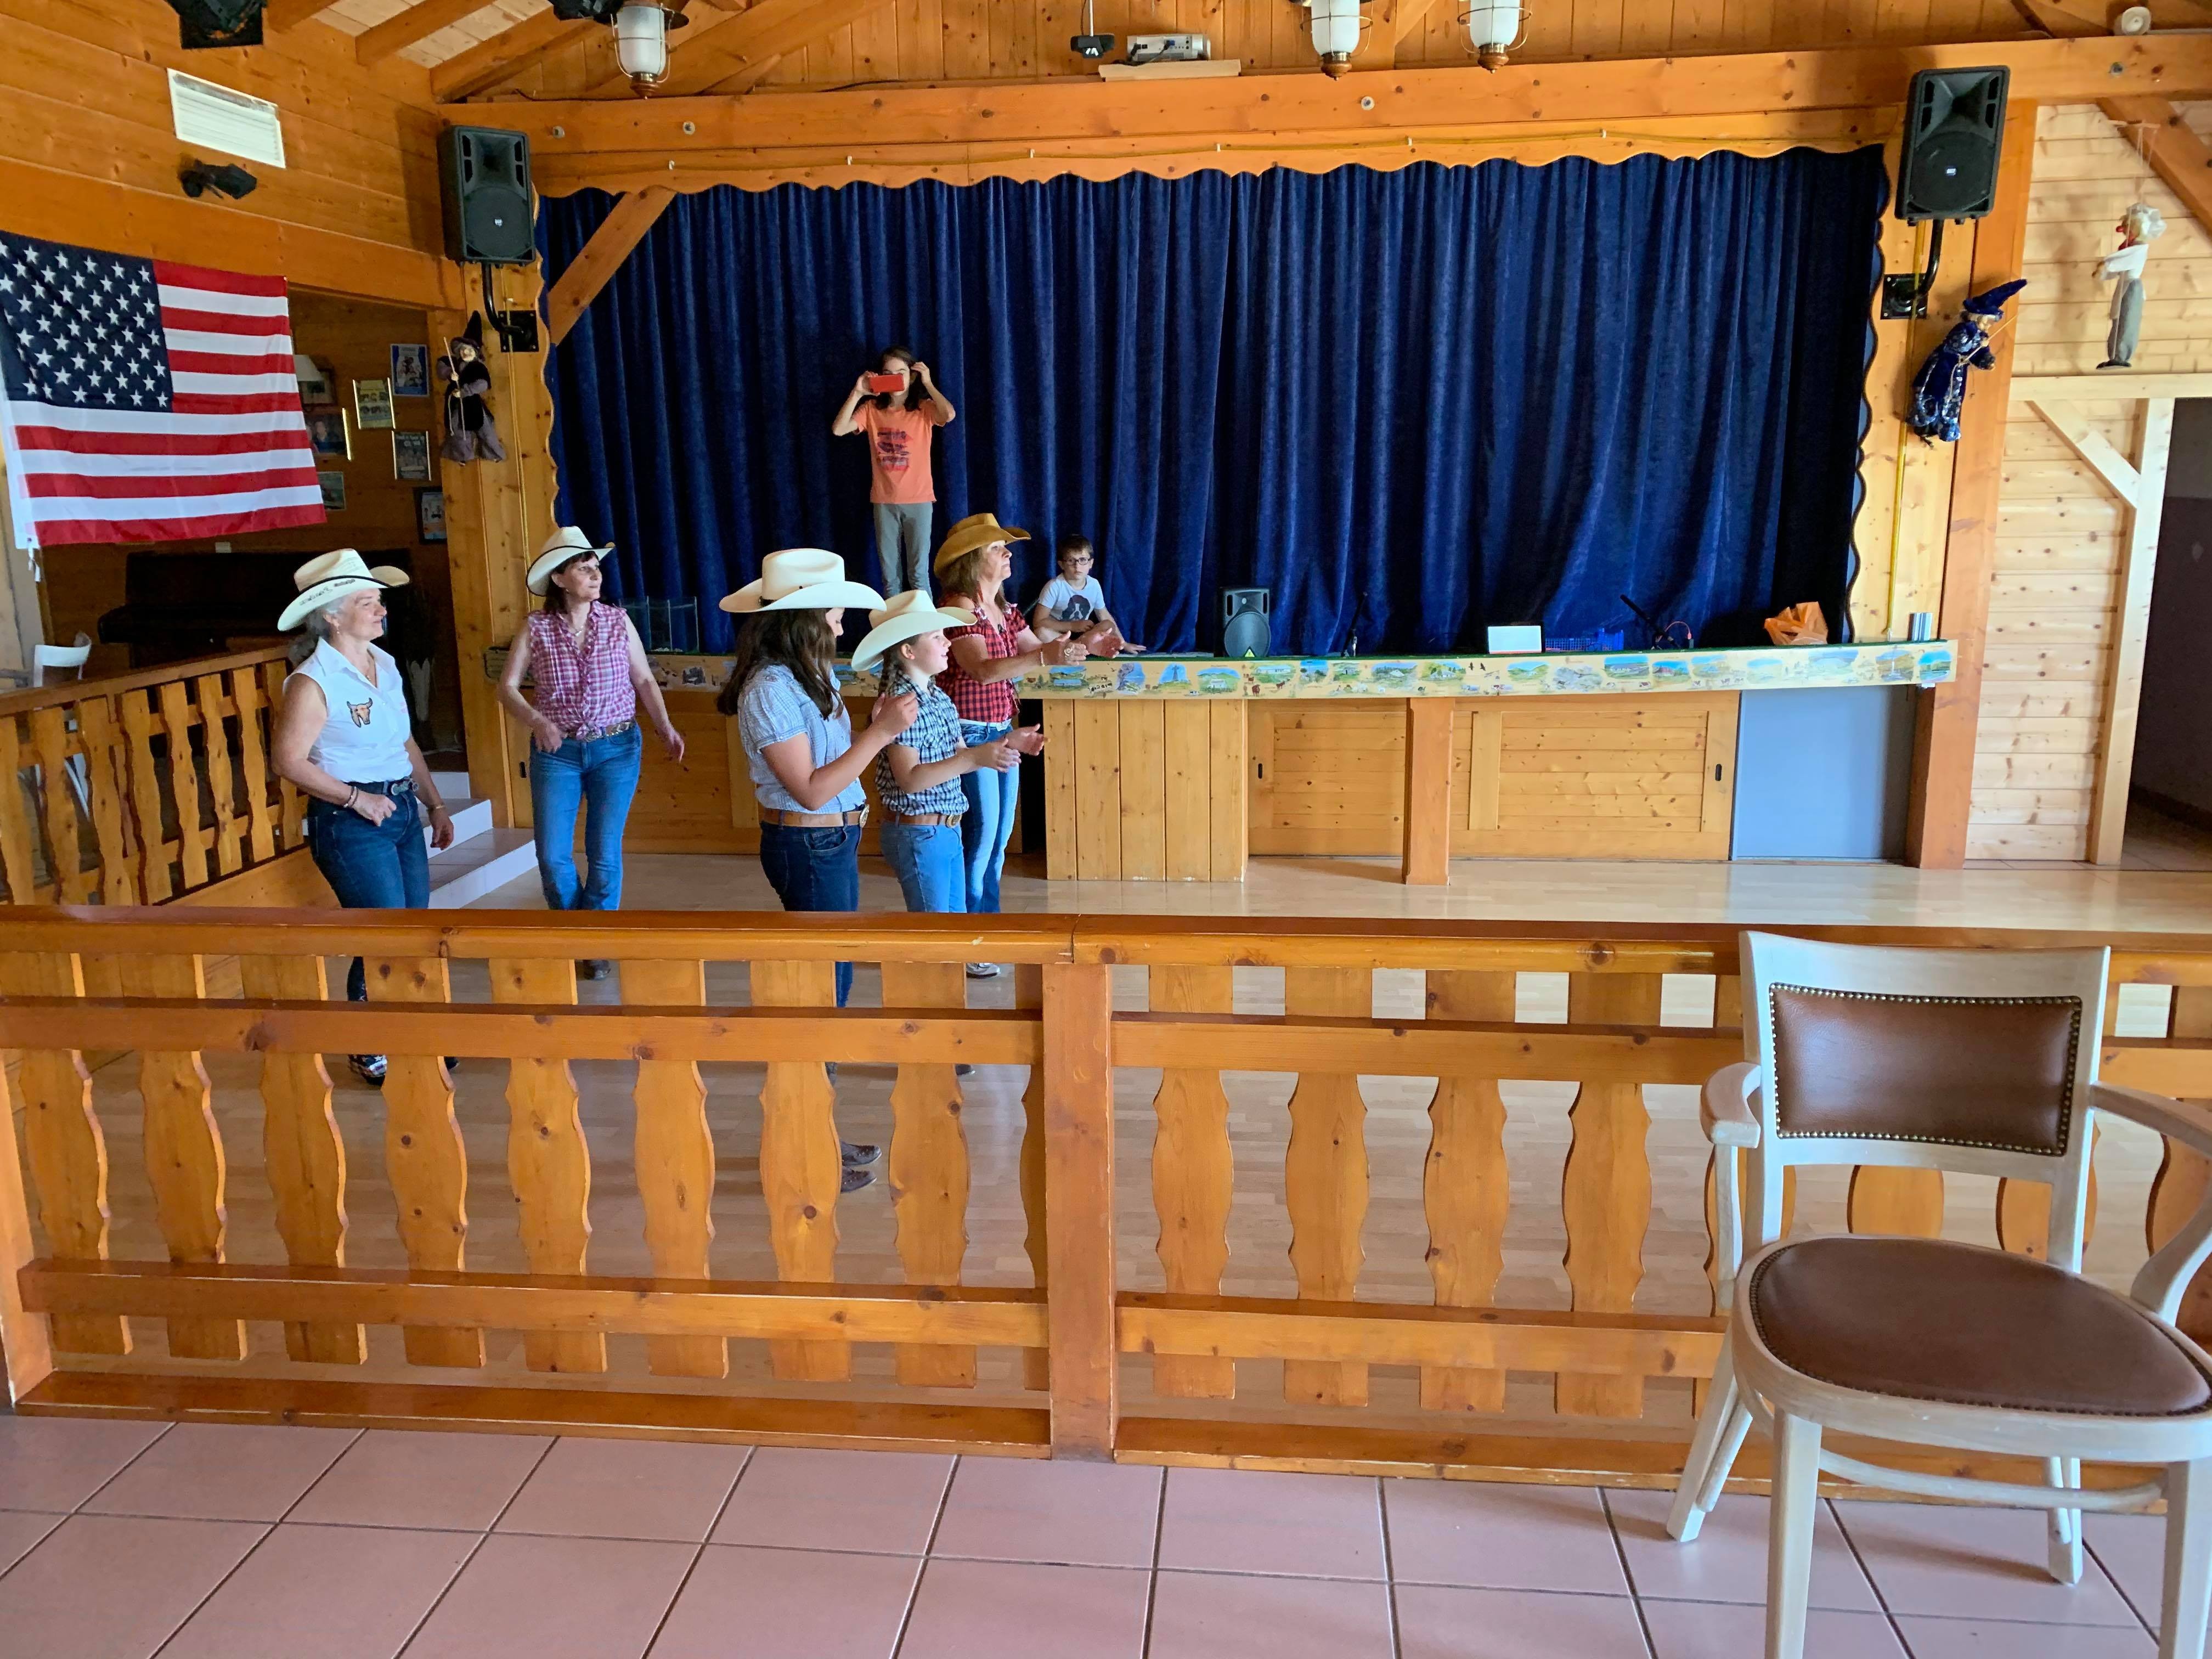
(485, 175)
(1244, 621)
(1954, 129)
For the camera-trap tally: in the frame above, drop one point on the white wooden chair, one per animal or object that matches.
(1983, 1063)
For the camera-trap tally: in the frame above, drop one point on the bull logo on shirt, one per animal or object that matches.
(361, 712)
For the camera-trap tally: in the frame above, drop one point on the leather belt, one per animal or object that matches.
(593, 733)
(923, 820)
(813, 820)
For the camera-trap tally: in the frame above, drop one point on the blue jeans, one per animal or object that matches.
(928, 860)
(599, 778)
(815, 870)
(988, 823)
(903, 544)
(371, 866)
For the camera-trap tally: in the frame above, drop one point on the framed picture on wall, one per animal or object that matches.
(329, 434)
(410, 371)
(430, 514)
(333, 486)
(410, 457)
(318, 387)
(372, 405)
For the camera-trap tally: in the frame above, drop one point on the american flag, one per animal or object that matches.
(146, 401)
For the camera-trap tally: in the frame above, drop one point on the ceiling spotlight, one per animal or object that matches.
(2136, 20)
(227, 178)
(1336, 25)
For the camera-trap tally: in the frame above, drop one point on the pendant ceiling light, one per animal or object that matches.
(1336, 25)
(1493, 27)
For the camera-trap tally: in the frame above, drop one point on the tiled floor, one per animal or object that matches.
(122, 1540)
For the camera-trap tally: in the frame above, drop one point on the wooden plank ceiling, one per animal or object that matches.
(493, 49)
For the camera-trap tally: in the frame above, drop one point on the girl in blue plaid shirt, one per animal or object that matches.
(918, 774)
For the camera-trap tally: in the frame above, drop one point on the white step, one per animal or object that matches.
(471, 869)
(449, 786)
(471, 818)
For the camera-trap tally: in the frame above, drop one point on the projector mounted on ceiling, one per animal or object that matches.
(1170, 49)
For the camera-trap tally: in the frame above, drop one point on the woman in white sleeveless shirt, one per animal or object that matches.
(343, 736)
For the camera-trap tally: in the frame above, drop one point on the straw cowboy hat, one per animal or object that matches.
(977, 529)
(563, 544)
(906, 616)
(328, 578)
(802, 579)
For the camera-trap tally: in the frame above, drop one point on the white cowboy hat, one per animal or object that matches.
(802, 579)
(563, 544)
(909, 614)
(328, 578)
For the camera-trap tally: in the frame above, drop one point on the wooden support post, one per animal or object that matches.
(2124, 670)
(620, 231)
(1948, 715)
(1078, 1113)
(1427, 861)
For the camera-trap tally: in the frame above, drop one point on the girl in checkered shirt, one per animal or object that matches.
(918, 774)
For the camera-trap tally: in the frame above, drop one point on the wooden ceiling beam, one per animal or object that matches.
(1256, 108)
(740, 55)
(2176, 153)
(418, 22)
(2066, 21)
(279, 16)
(621, 230)
(490, 62)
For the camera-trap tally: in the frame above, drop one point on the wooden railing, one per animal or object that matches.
(142, 788)
(272, 1299)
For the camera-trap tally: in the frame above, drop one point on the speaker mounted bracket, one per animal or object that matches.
(1907, 296)
(517, 330)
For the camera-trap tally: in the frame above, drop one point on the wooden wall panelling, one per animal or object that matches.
(1144, 808)
(1426, 859)
(1062, 846)
(674, 1152)
(1465, 1186)
(1605, 1187)
(1228, 805)
(64, 1148)
(183, 1152)
(353, 210)
(928, 1170)
(1334, 778)
(799, 1164)
(1186, 729)
(428, 1163)
(549, 1166)
(1193, 1175)
(305, 1155)
(1098, 790)
(1946, 716)
(1325, 1179)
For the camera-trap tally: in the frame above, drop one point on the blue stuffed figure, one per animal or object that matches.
(1939, 389)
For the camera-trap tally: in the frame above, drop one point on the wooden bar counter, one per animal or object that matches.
(1163, 769)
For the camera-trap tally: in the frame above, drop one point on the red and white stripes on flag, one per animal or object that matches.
(145, 401)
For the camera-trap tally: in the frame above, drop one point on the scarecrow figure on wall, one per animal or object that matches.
(1939, 389)
(2139, 227)
(471, 435)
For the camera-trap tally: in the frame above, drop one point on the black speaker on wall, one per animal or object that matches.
(484, 174)
(1953, 130)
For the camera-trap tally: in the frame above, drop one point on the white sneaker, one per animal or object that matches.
(982, 970)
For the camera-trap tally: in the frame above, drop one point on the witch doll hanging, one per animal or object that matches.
(471, 435)
(1939, 389)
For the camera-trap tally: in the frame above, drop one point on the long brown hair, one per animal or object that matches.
(800, 640)
(964, 575)
(558, 597)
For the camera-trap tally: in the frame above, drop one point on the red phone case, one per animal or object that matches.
(884, 383)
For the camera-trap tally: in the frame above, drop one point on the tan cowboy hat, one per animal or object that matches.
(977, 529)
(910, 613)
(563, 544)
(802, 579)
(328, 578)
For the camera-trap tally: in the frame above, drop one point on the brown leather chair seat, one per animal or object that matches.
(1920, 1318)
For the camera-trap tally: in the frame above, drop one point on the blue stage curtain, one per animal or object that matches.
(1414, 404)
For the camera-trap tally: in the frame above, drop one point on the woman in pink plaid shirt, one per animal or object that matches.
(987, 657)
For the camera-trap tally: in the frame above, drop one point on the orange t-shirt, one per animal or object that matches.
(898, 453)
